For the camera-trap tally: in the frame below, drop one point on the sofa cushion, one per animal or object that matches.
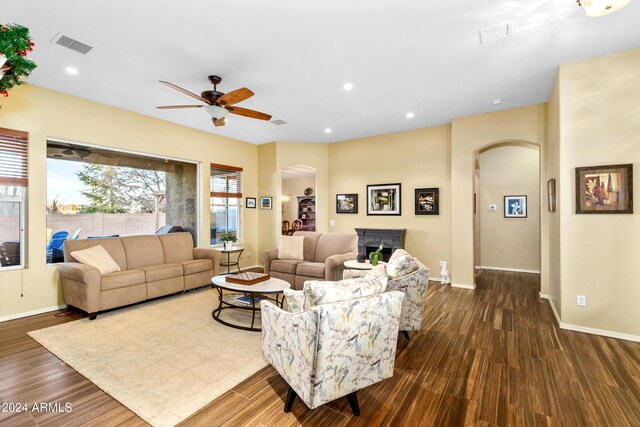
(177, 247)
(142, 251)
(113, 245)
(311, 269)
(121, 279)
(333, 244)
(401, 266)
(291, 247)
(97, 257)
(196, 266)
(162, 271)
(378, 276)
(310, 242)
(285, 265)
(323, 292)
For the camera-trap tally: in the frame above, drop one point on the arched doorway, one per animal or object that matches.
(507, 207)
(298, 200)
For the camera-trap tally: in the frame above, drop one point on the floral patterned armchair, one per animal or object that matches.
(409, 276)
(330, 346)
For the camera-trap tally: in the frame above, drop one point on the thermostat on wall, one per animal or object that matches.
(493, 207)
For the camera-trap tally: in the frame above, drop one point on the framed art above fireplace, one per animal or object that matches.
(383, 199)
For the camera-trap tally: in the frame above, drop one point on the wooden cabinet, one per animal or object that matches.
(307, 212)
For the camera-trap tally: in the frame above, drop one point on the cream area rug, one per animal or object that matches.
(164, 359)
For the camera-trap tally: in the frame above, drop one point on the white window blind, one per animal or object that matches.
(13, 158)
(226, 181)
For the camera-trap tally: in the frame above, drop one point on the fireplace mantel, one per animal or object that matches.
(393, 239)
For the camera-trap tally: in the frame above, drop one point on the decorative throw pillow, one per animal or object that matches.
(323, 292)
(295, 300)
(401, 266)
(291, 247)
(397, 254)
(98, 257)
(377, 276)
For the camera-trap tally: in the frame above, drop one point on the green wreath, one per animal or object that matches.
(15, 44)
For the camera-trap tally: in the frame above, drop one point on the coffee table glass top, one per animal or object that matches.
(272, 285)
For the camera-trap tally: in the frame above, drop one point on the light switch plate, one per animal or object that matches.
(332, 222)
(493, 207)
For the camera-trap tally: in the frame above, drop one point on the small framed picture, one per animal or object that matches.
(515, 206)
(250, 202)
(347, 203)
(604, 189)
(427, 201)
(265, 202)
(383, 199)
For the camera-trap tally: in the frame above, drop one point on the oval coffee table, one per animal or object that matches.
(264, 290)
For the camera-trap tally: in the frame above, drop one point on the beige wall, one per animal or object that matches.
(295, 187)
(599, 125)
(268, 186)
(554, 255)
(417, 159)
(45, 113)
(469, 135)
(512, 243)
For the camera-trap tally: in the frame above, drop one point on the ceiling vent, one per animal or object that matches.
(278, 122)
(73, 44)
(495, 32)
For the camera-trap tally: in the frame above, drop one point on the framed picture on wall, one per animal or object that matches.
(383, 199)
(515, 206)
(250, 202)
(347, 203)
(604, 189)
(427, 201)
(265, 202)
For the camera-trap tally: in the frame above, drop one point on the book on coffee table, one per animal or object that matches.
(247, 278)
(246, 300)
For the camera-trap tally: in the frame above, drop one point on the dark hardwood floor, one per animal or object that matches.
(493, 356)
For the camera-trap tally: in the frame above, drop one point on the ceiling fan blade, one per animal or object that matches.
(169, 107)
(234, 97)
(249, 113)
(186, 92)
(218, 122)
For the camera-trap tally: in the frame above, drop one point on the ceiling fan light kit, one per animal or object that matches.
(594, 8)
(218, 104)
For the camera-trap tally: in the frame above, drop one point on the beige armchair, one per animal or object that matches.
(324, 257)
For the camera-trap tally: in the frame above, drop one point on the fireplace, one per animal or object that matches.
(370, 238)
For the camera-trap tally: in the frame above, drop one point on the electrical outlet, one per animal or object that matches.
(248, 254)
(582, 301)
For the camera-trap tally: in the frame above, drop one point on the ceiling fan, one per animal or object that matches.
(218, 104)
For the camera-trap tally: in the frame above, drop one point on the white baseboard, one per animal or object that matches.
(463, 286)
(435, 279)
(31, 313)
(543, 296)
(516, 270)
(587, 330)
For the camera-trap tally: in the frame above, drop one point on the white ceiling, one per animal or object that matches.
(406, 55)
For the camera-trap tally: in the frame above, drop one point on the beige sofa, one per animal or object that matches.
(324, 256)
(152, 266)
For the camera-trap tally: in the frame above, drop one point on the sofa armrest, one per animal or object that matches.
(267, 257)
(212, 254)
(334, 265)
(81, 285)
(289, 342)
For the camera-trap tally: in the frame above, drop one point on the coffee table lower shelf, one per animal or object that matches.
(225, 303)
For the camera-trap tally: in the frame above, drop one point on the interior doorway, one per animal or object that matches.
(507, 230)
(298, 198)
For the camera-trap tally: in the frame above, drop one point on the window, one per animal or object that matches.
(226, 197)
(13, 191)
(102, 192)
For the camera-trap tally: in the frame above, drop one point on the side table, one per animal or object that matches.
(228, 263)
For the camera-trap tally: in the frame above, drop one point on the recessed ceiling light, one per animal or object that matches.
(327, 130)
(496, 101)
(71, 70)
(410, 115)
(348, 86)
